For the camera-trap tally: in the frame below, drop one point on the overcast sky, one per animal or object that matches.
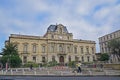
(86, 19)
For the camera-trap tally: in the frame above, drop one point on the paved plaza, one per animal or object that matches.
(64, 71)
(59, 74)
(59, 78)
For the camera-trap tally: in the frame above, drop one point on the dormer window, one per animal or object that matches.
(68, 37)
(52, 36)
(60, 30)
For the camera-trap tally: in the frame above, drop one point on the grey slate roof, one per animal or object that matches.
(53, 28)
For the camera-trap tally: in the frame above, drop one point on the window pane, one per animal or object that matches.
(25, 48)
(34, 48)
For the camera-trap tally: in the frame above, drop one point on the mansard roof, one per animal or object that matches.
(53, 28)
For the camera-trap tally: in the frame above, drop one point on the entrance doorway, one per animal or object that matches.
(61, 60)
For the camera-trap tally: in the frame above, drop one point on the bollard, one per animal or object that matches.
(11, 72)
(81, 73)
(2, 72)
(90, 72)
(5, 71)
(23, 72)
(35, 72)
(16, 70)
(61, 73)
(105, 72)
(48, 72)
(75, 73)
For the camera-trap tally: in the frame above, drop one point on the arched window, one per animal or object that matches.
(60, 48)
(75, 50)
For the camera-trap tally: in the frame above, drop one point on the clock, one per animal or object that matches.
(60, 37)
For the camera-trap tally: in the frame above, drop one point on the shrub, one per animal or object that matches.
(72, 64)
(31, 63)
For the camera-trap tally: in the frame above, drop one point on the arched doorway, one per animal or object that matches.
(61, 60)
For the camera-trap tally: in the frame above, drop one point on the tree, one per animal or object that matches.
(104, 57)
(10, 55)
(114, 46)
(10, 49)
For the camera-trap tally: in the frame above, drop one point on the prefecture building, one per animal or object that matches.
(57, 44)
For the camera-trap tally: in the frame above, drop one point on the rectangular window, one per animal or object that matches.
(87, 49)
(24, 59)
(43, 59)
(107, 37)
(102, 50)
(34, 59)
(34, 48)
(81, 50)
(68, 49)
(111, 36)
(93, 58)
(52, 48)
(82, 59)
(25, 48)
(88, 58)
(114, 35)
(69, 59)
(92, 50)
(76, 58)
(43, 49)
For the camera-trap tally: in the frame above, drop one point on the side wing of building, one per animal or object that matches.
(103, 41)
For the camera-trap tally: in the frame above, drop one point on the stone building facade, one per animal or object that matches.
(105, 39)
(103, 42)
(57, 44)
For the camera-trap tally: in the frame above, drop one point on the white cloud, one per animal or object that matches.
(22, 18)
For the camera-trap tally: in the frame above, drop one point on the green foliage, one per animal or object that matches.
(10, 49)
(114, 45)
(52, 63)
(104, 57)
(13, 60)
(10, 56)
(31, 63)
(72, 64)
(85, 63)
(4, 59)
